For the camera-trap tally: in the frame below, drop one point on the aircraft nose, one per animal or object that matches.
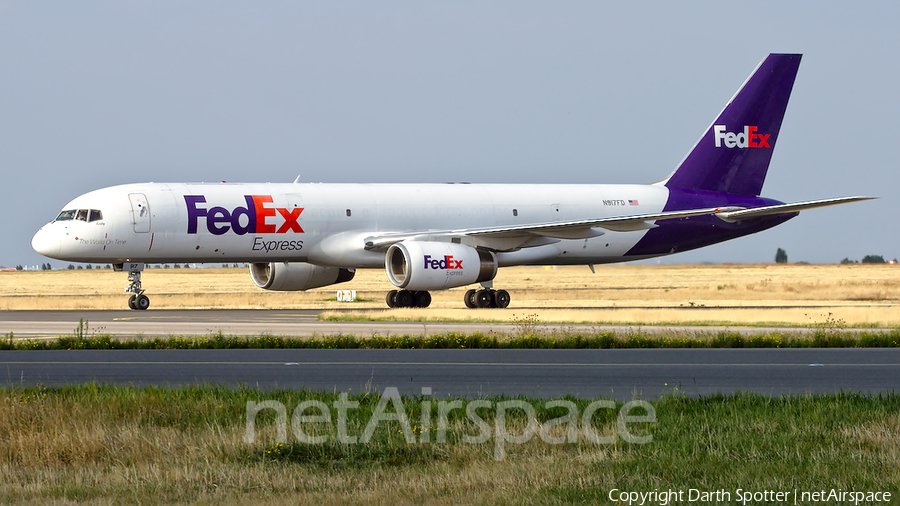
(46, 242)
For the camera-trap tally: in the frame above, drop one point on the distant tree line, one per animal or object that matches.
(781, 257)
(868, 259)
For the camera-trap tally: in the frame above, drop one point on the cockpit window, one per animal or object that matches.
(80, 215)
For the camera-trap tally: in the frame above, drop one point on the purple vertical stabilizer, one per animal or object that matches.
(733, 155)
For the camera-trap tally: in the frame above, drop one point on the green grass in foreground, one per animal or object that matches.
(820, 338)
(126, 444)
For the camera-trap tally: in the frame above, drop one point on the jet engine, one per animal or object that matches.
(294, 276)
(428, 265)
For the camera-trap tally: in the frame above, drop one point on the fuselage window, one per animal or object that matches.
(348, 212)
(82, 215)
(96, 215)
(66, 215)
(515, 212)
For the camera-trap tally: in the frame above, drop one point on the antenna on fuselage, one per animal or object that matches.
(297, 180)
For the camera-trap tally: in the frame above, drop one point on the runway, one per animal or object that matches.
(619, 374)
(298, 322)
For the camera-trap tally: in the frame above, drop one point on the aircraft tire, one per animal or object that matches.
(484, 298)
(469, 299)
(405, 298)
(422, 299)
(142, 302)
(131, 300)
(391, 298)
(501, 299)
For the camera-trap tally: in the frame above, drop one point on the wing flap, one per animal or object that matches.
(618, 224)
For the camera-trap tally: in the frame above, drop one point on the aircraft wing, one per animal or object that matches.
(579, 229)
(758, 212)
(513, 237)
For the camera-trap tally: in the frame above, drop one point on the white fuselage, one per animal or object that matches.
(327, 224)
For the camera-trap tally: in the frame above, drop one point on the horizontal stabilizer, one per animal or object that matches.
(758, 212)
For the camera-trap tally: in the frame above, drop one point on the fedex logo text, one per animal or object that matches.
(746, 139)
(446, 263)
(220, 220)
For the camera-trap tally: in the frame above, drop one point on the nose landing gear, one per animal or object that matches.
(138, 300)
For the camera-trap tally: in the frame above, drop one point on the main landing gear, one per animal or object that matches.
(482, 298)
(486, 297)
(408, 298)
(138, 300)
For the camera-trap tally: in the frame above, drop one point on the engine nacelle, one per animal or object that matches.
(428, 265)
(294, 276)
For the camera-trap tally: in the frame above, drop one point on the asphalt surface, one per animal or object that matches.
(299, 322)
(620, 374)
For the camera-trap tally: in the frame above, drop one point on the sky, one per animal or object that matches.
(95, 94)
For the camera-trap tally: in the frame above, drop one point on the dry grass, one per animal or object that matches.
(744, 294)
(881, 316)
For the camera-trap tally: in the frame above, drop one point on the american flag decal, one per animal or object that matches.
(632, 202)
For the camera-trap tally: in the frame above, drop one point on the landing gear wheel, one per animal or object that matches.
(405, 298)
(423, 299)
(131, 301)
(484, 298)
(469, 299)
(142, 302)
(501, 299)
(391, 298)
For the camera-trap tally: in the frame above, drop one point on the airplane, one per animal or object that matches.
(439, 236)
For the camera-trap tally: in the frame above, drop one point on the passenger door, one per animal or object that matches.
(140, 212)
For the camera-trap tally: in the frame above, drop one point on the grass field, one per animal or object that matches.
(857, 295)
(525, 336)
(104, 444)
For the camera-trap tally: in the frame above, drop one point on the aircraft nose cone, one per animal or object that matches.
(46, 242)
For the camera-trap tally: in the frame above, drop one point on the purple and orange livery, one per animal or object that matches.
(220, 220)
